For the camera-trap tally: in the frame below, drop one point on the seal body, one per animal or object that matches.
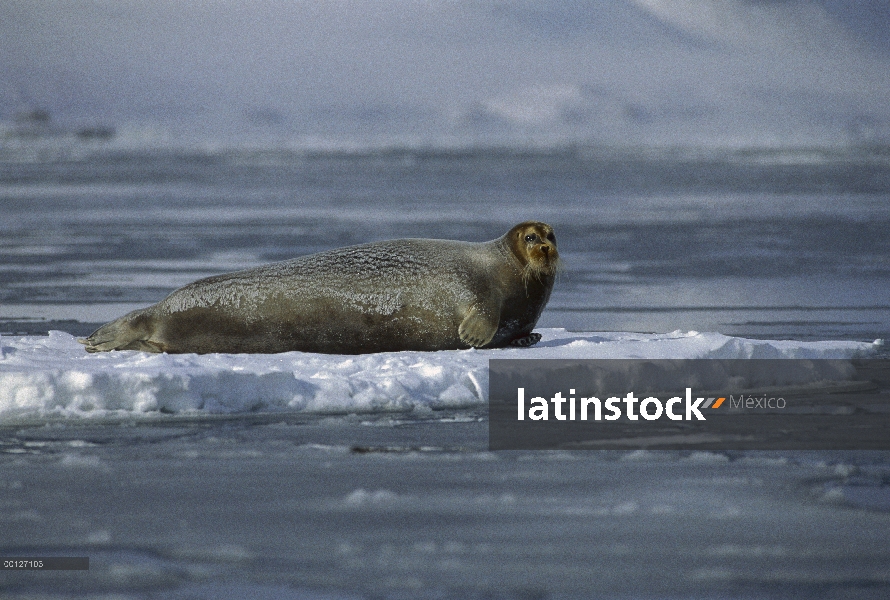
(410, 294)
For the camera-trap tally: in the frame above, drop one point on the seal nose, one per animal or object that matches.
(545, 249)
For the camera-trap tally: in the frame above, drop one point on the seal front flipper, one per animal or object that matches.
(478, 328)
(526, 341)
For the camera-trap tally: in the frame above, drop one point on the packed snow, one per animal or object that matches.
(52, 376)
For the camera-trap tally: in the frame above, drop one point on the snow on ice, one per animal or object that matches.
(51, 376)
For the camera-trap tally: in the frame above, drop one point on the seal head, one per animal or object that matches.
(534, 245)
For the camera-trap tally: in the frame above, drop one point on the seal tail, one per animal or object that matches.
(130, 332)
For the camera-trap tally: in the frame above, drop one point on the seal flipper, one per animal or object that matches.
(130, 332)
(526, 341)
(478, 328)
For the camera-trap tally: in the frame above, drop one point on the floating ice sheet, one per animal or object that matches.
(42, 377)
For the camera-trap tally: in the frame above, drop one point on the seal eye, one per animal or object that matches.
(551, 237)
(530, 237)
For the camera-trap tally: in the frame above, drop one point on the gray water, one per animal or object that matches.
(764, 244)
(760, 244)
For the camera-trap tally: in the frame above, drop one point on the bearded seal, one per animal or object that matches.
(408, 294)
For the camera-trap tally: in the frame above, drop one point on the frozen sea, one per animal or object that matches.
(369, 477)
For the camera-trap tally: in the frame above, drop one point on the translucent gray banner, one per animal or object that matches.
(732, 404)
